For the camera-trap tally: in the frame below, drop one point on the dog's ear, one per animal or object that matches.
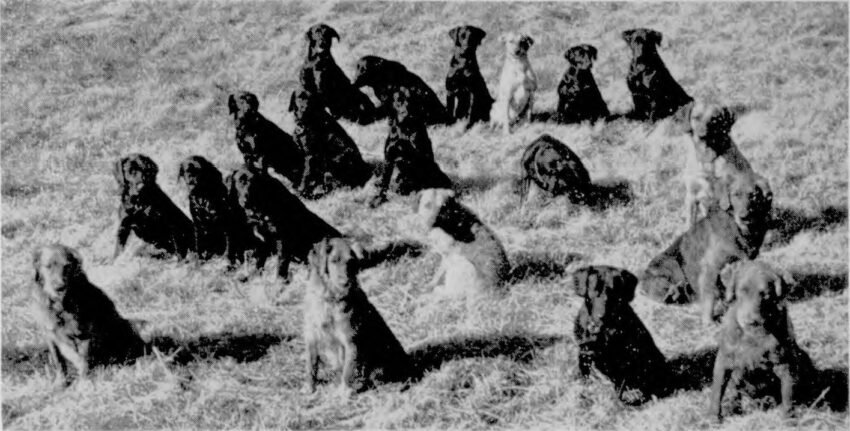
(212, 171)
(528, 40)
(477, 34)
(292, 102)
(332, 33)
(654, 37)
(118, 172)
(231, 105)
(722, 121)
(454, 33)
(591, 52)
(625, 284)
(728, 277)
(580, 281)
(629, 35)
(252, 100)
(76, 262)
(150, 167)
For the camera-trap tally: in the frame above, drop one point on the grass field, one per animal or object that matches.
(86, 82)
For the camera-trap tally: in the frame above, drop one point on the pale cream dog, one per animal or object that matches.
(515, 96)
(473, 259)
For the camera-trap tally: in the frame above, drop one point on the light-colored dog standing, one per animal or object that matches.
(515, 96)
(473, 259)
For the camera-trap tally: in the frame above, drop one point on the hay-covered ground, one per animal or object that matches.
(86, 82)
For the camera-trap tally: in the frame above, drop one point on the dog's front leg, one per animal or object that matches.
(350, 381)
(312, 364)
(124, 228)
(720, 376)
(786, 379)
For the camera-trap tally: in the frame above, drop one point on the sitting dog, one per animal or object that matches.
(341, 326)
(473, 259)
(262, 143)
(219, 228)
(385, 76)
(147, 211)
(281, 223)
(321, 76)
(714, 159)
(331, 158)
(467, 96)
(79, 322)
(733, 229)
(555, 169)
(612, 337)
(409, 158)
(517, 84)
(655, 93)
(579, 98)
(757, 340)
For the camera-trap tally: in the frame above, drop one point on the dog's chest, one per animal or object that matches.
(754, 352)
(321, 321)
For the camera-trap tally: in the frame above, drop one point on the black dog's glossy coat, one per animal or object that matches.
(579, 98)
(552, 166)
(467, 96)
(655, 93)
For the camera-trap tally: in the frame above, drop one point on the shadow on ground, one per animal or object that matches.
(811, 284)
(539, 265)
(788, 222)
(518, 347)
(391, 252)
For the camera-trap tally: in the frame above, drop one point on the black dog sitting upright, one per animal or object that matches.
(147, 211)
(409, 163)
(655, 93)
(262, 143)
(468, 97)
(385, 76)
(612, 337)
(331, 158)
(579, 98)
(321, 75)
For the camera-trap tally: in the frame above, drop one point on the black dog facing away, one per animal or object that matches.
(467, 96)
(331, 158)
(147, 211)
(385, 76)
(321, 75)
(579, 98)
(281, 222)
(655, 93)
(554, 168)
(612, 337)
(262, 143)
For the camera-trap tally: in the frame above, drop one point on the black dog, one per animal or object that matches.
(384, 76)
(219, 227)
(147, 211)
(281, 222)
(467, 95)
(331, 158)
(321, 75)
(579, 98)
(408, 155)
(612, 337)
(555, 169)
(262, 143)
(655, 93)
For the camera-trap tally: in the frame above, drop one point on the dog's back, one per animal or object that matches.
(552, 166)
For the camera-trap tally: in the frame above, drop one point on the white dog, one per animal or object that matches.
(517, 84)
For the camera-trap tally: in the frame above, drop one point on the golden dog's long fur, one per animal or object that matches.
(342, 328)
(79, 322)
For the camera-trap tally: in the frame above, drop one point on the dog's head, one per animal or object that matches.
(517, 44)
(431, 201)
(57, 269)
(198, 172)
(642, 41)
(244, 188)
(371, 70)
(581, 56)
(334, 264)
(242, 105)
(467, 37)
(319, 40)
(749, 199)
(605, 289)
(709, 120)
(135, 173)
(757, 291)
(302, 104)
(405, 109)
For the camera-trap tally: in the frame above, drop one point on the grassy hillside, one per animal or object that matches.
(86, 82)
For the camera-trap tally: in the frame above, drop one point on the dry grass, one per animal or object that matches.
(83, 83)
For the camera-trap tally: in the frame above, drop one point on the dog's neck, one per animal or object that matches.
(748, 238)
(465, 56)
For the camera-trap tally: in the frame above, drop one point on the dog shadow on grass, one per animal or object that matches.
(477, 183)
(812, 284)
(535, 265)
(609, 192)
(518, 347)
(391, 252)
(788, 222)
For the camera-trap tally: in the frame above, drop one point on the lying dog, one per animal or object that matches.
(409, 158)
(321, 76)
(555, 169)
(714, 159)
(655, 93)
(473, 259)
(579, 98)
(341, 326)
(757, 339)
(612, 337)
(467, 96)
(733, 229)
(219, 229)
(517, 83)
(262, 143)
(331, 158)
(79, 322)
(385, 76)
(147, 211)
(281, 223)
